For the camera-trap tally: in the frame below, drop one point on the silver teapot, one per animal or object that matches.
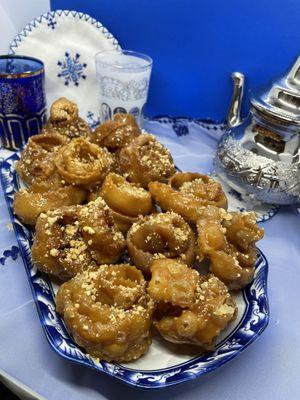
(259, 155)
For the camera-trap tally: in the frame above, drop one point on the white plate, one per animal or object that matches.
(67, 41)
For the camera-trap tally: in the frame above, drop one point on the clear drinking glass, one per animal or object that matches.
(123, 78)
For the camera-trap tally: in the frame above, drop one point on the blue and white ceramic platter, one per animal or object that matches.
(67, 41)
(160, 367)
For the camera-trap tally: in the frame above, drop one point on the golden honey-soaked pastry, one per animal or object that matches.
(36, 162)
(126, 200)
(173, 282)
(83, 163)
(71, 239)
(228, 240)
(145, 159)
(64, 119)
(164, 235)
(108, 312)
(117, 133)
(186, 192)
(29, 204)
(191, 309)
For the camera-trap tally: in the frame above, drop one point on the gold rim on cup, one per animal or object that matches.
(25, 74)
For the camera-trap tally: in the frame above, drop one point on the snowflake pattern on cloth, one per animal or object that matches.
(71, 69)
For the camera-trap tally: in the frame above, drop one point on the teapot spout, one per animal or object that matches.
(234, 112)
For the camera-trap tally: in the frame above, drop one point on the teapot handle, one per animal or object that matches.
(234, 112)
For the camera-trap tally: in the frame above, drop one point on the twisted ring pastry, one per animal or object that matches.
(191, 309)
(145, 159)
(64, 119)
(186, 193)
(117, 133)
(29, 203)
(36, 162)
(126, 201)
(71, 239)
(108, 312)
(228, 240)
(82, 163)
(160, 236)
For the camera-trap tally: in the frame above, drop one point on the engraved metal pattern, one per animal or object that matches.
(270, 181)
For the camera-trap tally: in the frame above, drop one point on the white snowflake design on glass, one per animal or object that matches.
(113, 88)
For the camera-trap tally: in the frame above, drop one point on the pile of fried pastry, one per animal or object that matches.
(129, 236)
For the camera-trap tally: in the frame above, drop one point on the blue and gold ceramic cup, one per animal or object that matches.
(22, 99)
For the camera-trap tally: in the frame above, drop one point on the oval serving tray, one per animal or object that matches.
(160, 367)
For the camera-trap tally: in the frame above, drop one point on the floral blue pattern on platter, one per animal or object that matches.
(71, 69)
(250, 325)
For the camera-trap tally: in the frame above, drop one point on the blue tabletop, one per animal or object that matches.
(268, 369)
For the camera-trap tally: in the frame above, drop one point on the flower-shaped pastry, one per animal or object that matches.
(71, 239)
(228, 240)
(36, 162)
(164, 235)
(80, 162)
(191, 308)
(145, 160)
(186, 193)
(64, 119)
(108, 312)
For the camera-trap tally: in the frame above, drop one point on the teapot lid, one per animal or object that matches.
(282, 100)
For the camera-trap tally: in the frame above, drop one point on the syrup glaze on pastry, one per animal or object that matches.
(228, 240)
(126, 201)
(29, 204)
(172, 282)
(164, 235)
(36, 162)
(192, 309)
(64, 119)
(80, 162)
(71, 239)
(186, 193)
(108, 312)
(145, 160)
(117, 133)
